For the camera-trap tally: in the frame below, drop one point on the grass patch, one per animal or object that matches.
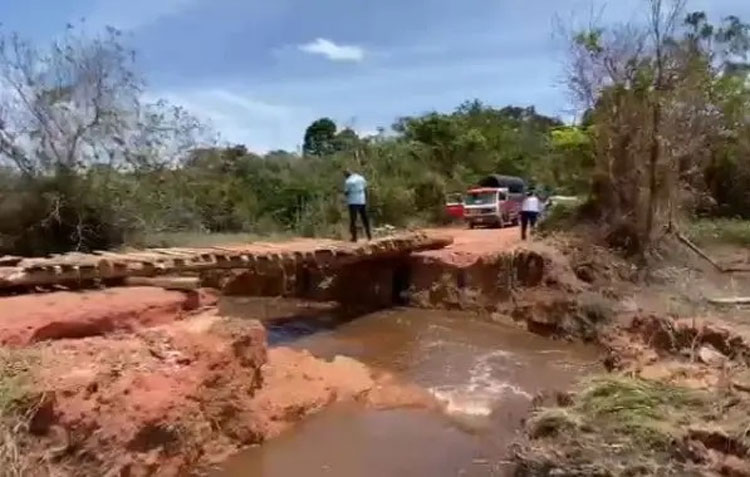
(16, 410)
(198, 239)
(716, 231)
(560, 215)
(649, 414)
(614, 422)
(551, 422)
(14, 377)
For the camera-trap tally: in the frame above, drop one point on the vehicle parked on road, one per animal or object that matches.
(495, 202)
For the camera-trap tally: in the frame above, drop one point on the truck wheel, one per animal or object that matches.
(472, 226)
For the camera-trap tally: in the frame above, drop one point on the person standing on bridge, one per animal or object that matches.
(530, 209)
(355, 189)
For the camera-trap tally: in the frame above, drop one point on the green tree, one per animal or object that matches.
(663, 117)
(569, 165)
(346, 140)
(75, 131)
(320, 138)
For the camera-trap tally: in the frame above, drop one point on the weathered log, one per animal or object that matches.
(706, 257)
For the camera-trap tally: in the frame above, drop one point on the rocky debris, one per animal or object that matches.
(708, 355)
(691, 337)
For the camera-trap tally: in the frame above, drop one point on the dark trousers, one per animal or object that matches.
(528, 220)
(362, 211)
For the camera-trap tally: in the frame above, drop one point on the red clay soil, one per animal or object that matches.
(161, 400)
(170, 399)
(494, 271)
(470, 245)
(28, 319)
(296, 384)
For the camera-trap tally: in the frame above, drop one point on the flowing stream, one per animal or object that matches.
(486, 375)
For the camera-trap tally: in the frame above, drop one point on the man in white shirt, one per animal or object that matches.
(355, 189)
(530, 210)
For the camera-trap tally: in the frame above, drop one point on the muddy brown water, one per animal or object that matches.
(485, 374)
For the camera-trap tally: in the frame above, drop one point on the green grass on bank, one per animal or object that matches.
(616, 425)
(645, 413)
(339, 231)
(198, 239)
(720, 231)
(16, 409)
(561, 215)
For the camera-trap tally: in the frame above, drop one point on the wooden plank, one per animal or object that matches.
(9, 260)
(156, 263)
(174, 253)
(119, 256)
(167, 282)
(148, 257)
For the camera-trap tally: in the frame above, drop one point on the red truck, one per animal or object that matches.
(494, 202)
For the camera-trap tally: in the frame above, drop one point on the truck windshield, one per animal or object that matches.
(481, 198)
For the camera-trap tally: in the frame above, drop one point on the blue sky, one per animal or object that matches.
(262, 70)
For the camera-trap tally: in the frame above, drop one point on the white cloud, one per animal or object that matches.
(333, 51)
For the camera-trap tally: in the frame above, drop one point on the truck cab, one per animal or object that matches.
(491, 207)
(495, 202)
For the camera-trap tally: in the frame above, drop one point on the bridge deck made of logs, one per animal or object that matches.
(74, 267)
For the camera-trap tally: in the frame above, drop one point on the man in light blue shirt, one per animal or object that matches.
(355, 189)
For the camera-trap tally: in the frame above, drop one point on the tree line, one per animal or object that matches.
(668, 107)
(86, 164)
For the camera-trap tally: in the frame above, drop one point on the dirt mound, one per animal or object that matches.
(31, 318)
(174, 399)
(165, 398)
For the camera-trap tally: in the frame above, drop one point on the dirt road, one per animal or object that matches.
(470, 245)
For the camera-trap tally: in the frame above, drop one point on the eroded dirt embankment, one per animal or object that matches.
(141, 381)
(144, 381)
(532, 284)
(676, 399)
